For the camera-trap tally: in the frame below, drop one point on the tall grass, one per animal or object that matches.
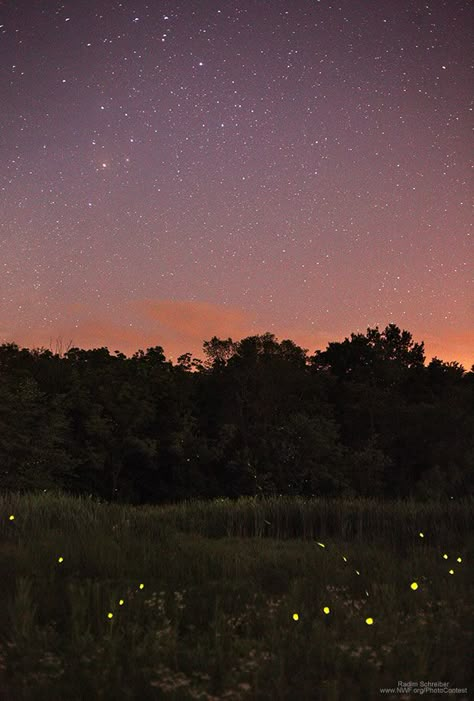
(224, 600)
(360, 520)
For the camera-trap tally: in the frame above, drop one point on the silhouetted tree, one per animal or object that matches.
(257, 416)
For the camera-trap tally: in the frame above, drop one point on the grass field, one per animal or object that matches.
(282, 599)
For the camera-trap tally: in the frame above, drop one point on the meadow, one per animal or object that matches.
(275, 598)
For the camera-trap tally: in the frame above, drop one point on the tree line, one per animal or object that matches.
(257, 416)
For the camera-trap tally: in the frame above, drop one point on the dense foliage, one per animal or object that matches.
(256, 417)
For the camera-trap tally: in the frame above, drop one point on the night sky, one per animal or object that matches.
(174, 171)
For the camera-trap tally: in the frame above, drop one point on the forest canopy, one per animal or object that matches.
(367, 416)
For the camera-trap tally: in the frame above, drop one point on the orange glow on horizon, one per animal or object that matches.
(181, 327)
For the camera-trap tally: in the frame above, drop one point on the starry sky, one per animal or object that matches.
(172, 171)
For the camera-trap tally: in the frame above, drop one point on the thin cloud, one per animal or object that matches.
(182, 326)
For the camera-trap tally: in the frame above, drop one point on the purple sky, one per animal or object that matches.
(174, 171)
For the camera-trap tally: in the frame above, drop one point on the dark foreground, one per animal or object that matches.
(278, 599)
